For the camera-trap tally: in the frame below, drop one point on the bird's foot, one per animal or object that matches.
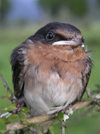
(57, 109)
(54, 110)
(66, 113)
(19, 105)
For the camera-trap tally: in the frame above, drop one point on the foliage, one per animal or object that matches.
(2, 126)
(60, 116)
(76, 7)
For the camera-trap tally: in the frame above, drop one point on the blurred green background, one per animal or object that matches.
(21, 18)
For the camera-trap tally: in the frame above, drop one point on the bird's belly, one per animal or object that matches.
(41, 96)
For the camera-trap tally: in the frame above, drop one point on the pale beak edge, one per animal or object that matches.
(71, 43)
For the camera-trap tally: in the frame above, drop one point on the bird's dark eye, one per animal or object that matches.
(50, 36)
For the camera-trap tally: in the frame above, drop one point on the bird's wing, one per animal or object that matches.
(86, 73)
(19, 67)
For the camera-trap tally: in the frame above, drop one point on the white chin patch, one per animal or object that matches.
(70, 43)
(83, 45)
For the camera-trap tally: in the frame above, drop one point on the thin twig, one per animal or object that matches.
(63, 127)
(7, 88)
(4, 82)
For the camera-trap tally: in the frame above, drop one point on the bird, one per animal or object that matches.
(51, 68)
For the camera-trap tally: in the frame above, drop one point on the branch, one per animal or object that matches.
(4, 82)
(43, 118)
(9, 92)
(20, 125)
(63, 127)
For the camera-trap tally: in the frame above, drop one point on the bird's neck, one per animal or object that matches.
(49, 52)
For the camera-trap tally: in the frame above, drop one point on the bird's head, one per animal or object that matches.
(59, 35)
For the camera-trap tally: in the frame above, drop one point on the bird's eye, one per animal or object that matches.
(50, 36)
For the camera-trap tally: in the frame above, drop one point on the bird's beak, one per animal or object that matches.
(69, 43)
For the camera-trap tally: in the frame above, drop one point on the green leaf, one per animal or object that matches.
(89, 99)
(34, 124)
(5, 120)
(52, 129)
(9, 108)
(26, 132)
(45, 131)
(21, 116)
(2, 126)
(60, 116)
(40, 133)
(26, 123)
(12, 117)
(25, 109)
(9, 93)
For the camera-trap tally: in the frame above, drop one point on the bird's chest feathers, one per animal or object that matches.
(53, 81)
(53, 84)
